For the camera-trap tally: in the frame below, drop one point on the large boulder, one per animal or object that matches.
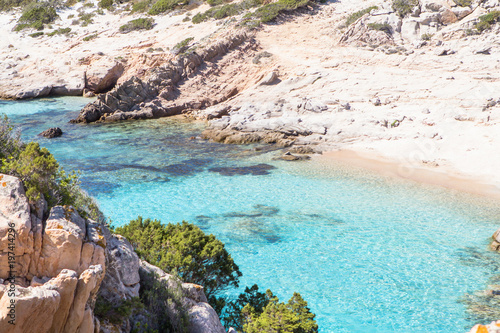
(52, 132)
(57, 265)
(58, 305)
(103, 74)
(122, 279)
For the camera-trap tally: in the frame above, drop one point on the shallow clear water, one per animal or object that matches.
(369, 254)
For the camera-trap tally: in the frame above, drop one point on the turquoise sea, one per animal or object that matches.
(368, 253)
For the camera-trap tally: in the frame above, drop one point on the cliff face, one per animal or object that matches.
(53, 264)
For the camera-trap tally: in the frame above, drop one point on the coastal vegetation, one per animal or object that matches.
(162, 6)
(41, 174)
(356, 15)
(137, 24)
(293, 316)
(404, 7)
(36, 16)
(106, 4)
(487, 20)
(265, 13)
(60, 31)
(223, 11)
(381, 27)
(186, 250)
(90, 37)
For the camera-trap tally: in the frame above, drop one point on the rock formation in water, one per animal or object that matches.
(155, 95)
(52, 132)
(56, 265)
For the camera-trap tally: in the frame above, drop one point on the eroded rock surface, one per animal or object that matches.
(62, 262)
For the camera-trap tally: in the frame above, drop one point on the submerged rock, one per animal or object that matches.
(290, 157)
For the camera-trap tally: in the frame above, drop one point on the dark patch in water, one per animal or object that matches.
(188, 167)
(255, 170)
(470, 256)
(267, 210)
(260, 210)
(202, 221)
(272, 238)
(237, 214)
(97, 186)
(334, 221)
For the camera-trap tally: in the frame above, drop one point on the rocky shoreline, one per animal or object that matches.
(64, 262)
(420, 90)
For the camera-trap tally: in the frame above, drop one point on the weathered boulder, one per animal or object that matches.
(52, 132)
(359, 34)
(202, 317)
(59, 305)
(103, 75)
(270, 78)
(15, 214)
(122, 279)
(59, 264)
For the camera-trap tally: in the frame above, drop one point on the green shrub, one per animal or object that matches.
(426, 37)
(355, 16)
(115, 312)
(233, 316)
(162, 6)
(141, 6)
(270, 11)
(9, 4)
(90, 37)
(36, 167)
(215, 2)
(404, 7)
(41, 175)
(482, 26)
(185, 249)
(487, 20)
(292, 317)
(60, 31)
(85, 18)
(10, 139)
(36, 15)
(224, 11)
(385, 27)
(70, 3)
(106, 4)
(182, 45)
(463, 3)
(36, 34)
(137, 24)
(163, 304)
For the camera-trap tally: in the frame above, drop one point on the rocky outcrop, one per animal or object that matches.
(151, 96)
(71, 85)
(360, 33)
(53, 271)
(202, 317)
(103, 75)
(53, 132)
